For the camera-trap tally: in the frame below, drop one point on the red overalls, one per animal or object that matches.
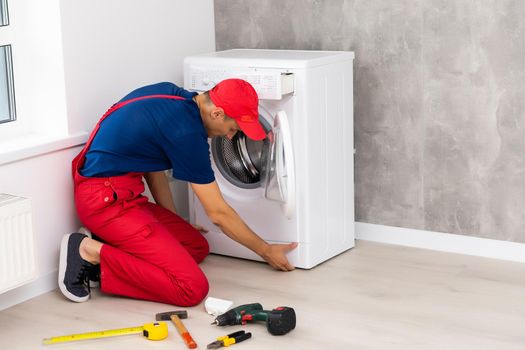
(150, 252)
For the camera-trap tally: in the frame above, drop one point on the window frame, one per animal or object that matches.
(42, 124)
(13, 126)
(7, 46)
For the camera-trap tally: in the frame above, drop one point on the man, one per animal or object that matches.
(146, 250)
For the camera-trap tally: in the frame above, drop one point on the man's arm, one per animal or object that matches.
(160, 189)
(222, 215)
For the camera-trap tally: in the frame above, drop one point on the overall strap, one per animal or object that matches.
(127, 102)
(112, 109)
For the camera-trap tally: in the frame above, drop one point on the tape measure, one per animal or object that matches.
(152, 331)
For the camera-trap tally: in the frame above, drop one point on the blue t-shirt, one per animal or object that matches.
(151, 135)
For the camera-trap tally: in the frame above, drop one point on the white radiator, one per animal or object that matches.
(17, 242)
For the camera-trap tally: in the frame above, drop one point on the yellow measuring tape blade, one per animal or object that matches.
(152, 331)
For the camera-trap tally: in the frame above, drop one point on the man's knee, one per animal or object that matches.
(198, 292)
(192, 292)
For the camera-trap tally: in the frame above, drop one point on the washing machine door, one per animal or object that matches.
(280, 171)
(266, 164)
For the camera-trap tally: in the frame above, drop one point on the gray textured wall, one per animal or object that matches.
(439, 102)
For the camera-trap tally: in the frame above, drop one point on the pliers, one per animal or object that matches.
(229, 339)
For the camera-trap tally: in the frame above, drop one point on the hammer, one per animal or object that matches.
(175, 317)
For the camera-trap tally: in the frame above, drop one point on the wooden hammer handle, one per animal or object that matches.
(183, 332)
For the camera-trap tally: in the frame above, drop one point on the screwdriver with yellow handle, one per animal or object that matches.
(152, 331)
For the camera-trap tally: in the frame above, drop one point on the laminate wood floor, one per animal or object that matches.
(374, 296)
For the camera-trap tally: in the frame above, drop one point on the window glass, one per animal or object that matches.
(4, 15)
(7, 98)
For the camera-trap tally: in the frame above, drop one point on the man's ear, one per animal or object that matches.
(217, 113)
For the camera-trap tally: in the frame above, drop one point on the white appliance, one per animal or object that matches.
(298, 184)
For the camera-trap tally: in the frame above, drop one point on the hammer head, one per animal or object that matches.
(165, 316)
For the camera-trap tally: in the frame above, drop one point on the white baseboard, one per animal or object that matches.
(28, 291)
(445, 242)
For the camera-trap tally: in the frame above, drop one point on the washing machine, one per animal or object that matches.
(297, 185)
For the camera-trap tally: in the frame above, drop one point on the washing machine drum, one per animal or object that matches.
(241, 160)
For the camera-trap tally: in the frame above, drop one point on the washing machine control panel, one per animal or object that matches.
(270, 84)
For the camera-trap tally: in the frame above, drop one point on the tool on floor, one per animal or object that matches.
(229, 339)
(175, 317)
(152, 331)
(279, 321)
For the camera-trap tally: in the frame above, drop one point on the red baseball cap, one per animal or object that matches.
(239, 101)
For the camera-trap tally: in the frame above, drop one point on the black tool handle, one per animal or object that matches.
(236, 334)
(242, 337)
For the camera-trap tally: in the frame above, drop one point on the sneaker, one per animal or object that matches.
(73, 271)
(94, 274)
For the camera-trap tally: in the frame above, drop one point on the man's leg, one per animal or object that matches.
(191, 239)
(143, 259)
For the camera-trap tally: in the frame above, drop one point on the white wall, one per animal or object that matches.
(109, 48)
(112, 47)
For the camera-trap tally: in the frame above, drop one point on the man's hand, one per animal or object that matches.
(275, 256)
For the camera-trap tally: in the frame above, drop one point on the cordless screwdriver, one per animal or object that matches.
(279, 321)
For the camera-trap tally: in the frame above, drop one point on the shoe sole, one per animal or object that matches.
(62, 265)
